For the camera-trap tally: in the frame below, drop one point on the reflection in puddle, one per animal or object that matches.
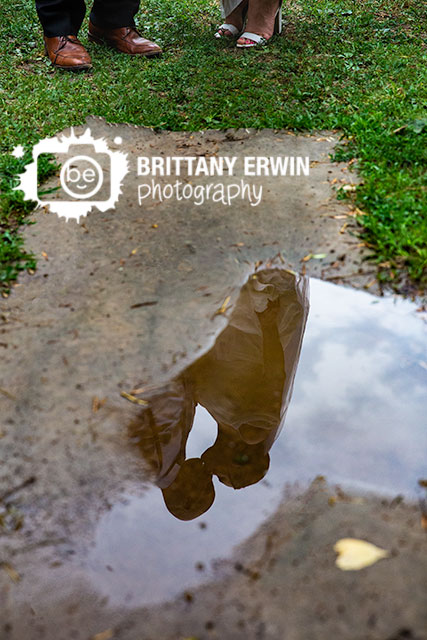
(357, 416)
(244, 383)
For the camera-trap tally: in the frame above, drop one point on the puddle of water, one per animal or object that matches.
(357, 417)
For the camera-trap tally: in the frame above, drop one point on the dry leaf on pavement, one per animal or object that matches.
(354, 554)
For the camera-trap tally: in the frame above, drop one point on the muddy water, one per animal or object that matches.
(211, 439)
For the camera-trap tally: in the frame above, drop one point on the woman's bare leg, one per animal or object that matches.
(261, 16)
(236, 17)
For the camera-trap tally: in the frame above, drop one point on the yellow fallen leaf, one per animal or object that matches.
(369, 284)
(223, 307)
(97, 403)
(354, 554)
(132, 398)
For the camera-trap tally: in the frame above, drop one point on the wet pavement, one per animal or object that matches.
(158, 478)
(368, 441)
(224, 526)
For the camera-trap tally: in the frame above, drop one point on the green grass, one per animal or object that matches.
(358, 67)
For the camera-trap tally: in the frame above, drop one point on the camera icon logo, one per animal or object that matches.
(91, 175)
(81, 177)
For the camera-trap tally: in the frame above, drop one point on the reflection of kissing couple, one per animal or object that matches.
(244, 382)
(112, 23)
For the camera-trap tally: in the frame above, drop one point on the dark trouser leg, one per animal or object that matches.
(112, 14)
(60, 17)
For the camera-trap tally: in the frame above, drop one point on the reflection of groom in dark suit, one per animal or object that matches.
(244, 382)
(111, 23)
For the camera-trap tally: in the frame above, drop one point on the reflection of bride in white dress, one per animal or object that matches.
(260, 19)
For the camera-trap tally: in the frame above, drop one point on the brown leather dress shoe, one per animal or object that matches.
(125, 39)
(67, 52)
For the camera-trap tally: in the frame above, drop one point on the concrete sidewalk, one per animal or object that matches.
(129, 298)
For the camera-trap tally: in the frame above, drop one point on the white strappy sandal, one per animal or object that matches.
(227, 27)
(257, 40)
